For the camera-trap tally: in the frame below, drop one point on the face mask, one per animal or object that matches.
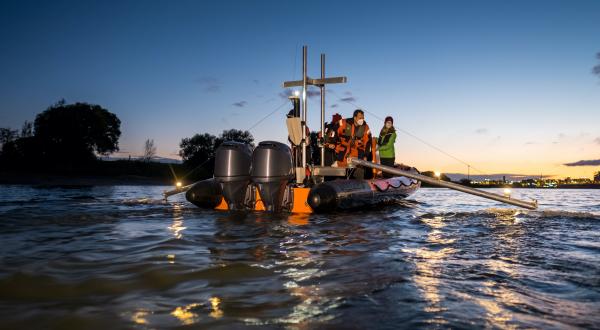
(388, 125)
(360, 122)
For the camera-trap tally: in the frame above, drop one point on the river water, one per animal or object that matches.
(112, 257)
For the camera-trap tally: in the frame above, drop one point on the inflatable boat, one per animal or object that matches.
(275, 177)
(264, 179)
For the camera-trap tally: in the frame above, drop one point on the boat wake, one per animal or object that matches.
(144, 201)
(516, 213)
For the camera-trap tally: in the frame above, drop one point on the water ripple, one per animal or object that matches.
(121, 257)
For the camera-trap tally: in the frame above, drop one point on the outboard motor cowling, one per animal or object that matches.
(232, 172)
(271, 171)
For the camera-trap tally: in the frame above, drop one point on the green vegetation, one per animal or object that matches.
(66, 139)
(198, 151)
(65, 136)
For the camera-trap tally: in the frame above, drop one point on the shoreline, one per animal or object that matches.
(41, 179)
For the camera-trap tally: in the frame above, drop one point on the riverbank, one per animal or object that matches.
(42, 179)
(101, 173)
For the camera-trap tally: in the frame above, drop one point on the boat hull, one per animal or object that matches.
(325, 197)
(351, 194)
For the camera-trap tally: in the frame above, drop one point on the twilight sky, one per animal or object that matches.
(504, 85)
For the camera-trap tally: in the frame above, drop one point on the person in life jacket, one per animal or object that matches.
(354, 134)
(331, 139)
(385, 144)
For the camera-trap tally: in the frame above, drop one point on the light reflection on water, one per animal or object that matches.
(106, 255)
(427, 262)
(177, 226)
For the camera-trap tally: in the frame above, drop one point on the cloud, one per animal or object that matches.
(593, 162)
(212, 88)
(348, 93)
(256, 81)
(481, 131)
(530, 143)
(597, 140)
(561, 136)
(348, 99)
(335, 105)
(209, 84)
(240, 104)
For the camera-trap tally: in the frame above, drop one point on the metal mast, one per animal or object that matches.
(304, 107)
(322, 87)
(305, 82)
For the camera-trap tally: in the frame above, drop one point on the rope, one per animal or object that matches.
(411, 135)
(267, 116)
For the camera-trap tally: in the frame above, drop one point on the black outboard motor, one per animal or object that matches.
(232, 172)
(271, 171)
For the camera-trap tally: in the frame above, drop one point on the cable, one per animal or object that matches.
(411, 135)
(251, 127)
(267, 116)
(197, 167)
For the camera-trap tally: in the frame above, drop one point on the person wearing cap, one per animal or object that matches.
(385, 143)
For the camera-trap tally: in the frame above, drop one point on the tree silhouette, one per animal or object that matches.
(149, 150)
(199, 150)
(235, 135)
(73, 133)
(27, 129)
(7, 135)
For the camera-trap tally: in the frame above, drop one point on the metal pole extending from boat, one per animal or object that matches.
(304, 107)
(323, 110)
(446, 184)
(176, 191)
